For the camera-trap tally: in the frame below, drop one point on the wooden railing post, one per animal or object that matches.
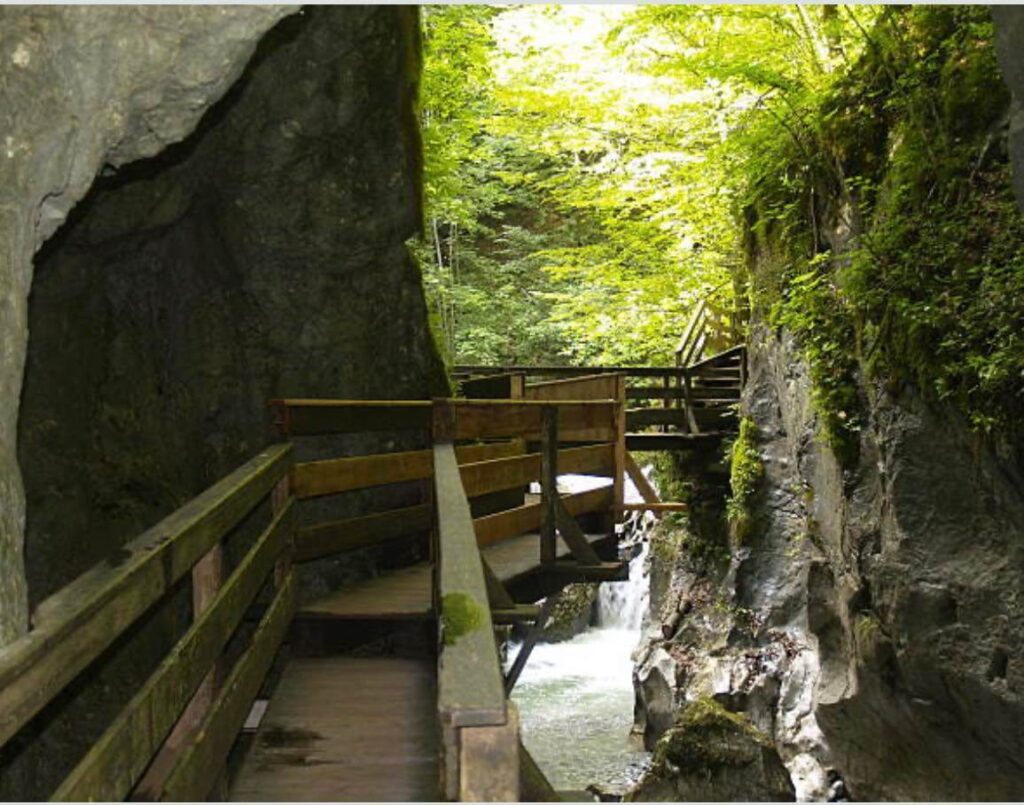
(548, 483)
(619, 478)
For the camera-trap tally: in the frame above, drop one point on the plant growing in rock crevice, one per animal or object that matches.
(745, 476)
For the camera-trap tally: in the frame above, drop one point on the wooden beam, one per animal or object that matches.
(489, 761)
(469, 675)
(603, 571)
(591, 387)
(548, 484)
(643, 486)
(315, 478)
(500, 386)
(532, 636)
(482, 477)
(75, 625)
(517, 613)
(354, 533)
(116, 762)
(654, 507)
(578, 421)
(673, 441)
(573, 535)
(523, 519)
(723, 395)
(619, 478)
(566, 371)
(304, 417)
(497, 595)
(202, 761)
(637, 418)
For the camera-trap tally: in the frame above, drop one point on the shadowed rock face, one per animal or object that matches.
(1009, 22)
(871, 623)
(262, 256)
(83, 88)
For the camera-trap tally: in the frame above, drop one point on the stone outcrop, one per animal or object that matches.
(713, 755)
(572, 613)
(85, 89)
(871, 620)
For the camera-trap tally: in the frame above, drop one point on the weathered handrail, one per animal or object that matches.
(479, 738)
(73, 627)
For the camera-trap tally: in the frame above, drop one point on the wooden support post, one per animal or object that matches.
(489, 761)
(619, 478)
(278, 500)
(529, 642)
(691, 420)
(207, 575)
(548, 484)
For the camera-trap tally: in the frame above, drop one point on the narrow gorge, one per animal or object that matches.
(342, 342)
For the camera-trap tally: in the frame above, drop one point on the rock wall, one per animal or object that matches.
(1009, 22)
(82, 90)
(871, 622)
(262, 256)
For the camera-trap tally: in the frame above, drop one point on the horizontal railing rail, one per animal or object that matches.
(74, 627)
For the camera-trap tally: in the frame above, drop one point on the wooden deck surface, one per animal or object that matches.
(346, 729)
(405, 594)
(402, 594)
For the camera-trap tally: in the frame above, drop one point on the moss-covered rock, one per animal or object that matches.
(572, 613)
(714, 755)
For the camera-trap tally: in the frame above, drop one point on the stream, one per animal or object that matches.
(575, 698)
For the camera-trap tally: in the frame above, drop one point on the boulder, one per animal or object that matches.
(713, 755)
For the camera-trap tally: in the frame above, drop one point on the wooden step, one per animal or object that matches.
(349, 729)
(403, 594)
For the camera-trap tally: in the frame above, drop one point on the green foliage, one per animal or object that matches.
(927, 285)
(746, 471)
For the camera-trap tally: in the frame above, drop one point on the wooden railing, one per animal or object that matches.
(712, 327)
(171, 739)
(181, 717)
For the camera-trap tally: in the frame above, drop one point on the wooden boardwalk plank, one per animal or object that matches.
(349, 729)
(405, 594)
(402, 594)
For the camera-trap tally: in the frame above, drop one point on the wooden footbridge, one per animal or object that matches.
(390, 688)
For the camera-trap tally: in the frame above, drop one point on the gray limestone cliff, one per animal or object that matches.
(871, 620)
(210, 208)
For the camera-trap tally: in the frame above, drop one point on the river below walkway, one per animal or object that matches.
(575, 698)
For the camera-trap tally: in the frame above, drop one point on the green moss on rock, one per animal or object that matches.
(706, 736)
(745, 475)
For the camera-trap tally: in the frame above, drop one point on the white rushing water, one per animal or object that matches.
(575, 698)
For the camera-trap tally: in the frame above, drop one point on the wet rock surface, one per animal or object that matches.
(870, 622)
(572, 613)
(711, 754)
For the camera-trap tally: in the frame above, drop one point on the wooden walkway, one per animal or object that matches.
(352, 729)
(405, 594)
(390, 689)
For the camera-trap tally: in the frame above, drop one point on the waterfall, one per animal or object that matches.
(580, 691)
(622, 604)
